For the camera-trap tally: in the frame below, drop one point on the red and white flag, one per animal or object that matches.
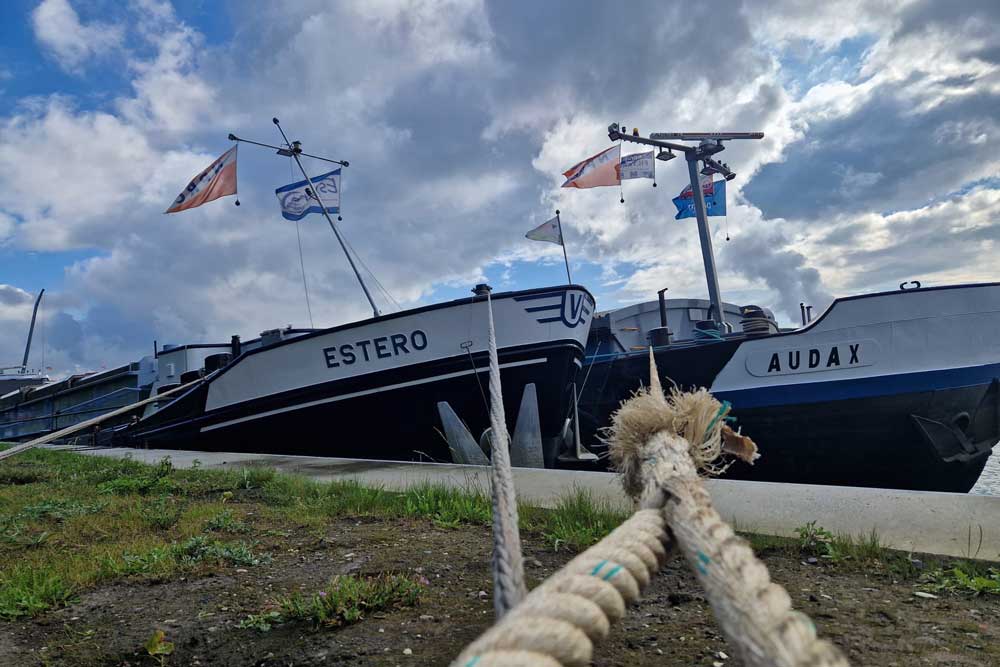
(707, 188)
(218, 180)
(605, 168)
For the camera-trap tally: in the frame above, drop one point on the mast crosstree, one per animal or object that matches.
(293, 150)
(709, 143)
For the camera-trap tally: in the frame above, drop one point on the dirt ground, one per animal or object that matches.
(875, 620)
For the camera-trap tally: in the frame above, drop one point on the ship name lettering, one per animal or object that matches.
(381, 347)
(814, 359)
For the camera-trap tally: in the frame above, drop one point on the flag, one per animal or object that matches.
(297, 203)
(547, 231)
(707, 187)
(715, 200)
(601, 169)
(638, 165)
(218, 180)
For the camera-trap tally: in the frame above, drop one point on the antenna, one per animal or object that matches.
(705, 136)
(293, 149)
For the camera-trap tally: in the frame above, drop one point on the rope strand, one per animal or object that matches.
(508, 564)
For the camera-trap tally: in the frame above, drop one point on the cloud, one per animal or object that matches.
(953, 240)
(919, 119)
(58, 29)
(458, 118)
(13, 296)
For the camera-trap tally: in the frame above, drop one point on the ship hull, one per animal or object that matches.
(892, 390)
(331, 394)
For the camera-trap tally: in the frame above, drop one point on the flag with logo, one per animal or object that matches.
(638, 165)
(598, 170)
(302, 198)
(550, 231)
(715, 199)
(217, 180)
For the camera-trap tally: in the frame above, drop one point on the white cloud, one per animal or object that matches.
(58, 28)
(788, 23)
(458, 119)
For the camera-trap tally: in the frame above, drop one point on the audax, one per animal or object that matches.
(814, 358)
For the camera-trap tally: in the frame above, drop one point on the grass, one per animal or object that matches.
(347, 599)
(69, 522)
(26, 591)
(578, 520)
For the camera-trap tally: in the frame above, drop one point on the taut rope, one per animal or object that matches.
(508, 563)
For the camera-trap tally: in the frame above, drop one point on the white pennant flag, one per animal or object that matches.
(638, 165)
(547, 231)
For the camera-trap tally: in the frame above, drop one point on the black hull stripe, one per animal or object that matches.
(366, 392)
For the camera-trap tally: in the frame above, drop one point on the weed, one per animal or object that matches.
(261, 622)
(144, 481)
(224, 522)
(199, 548)
(12, 477)
(158, 647)
(254, 477)
(61, 509)
(815, 540)
(972, 579)
(161, 513)
(189, 553)
(348, 598)
(26, 591)
(155, 560)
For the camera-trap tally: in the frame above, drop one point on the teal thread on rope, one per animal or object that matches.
(472, 663)
(726, 405)
(612, 572)
(703, 561)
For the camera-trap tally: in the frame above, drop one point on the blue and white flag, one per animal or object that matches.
(715, 200)
(299, 200)
(638, 165)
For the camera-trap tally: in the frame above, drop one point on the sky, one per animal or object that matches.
(880, 162)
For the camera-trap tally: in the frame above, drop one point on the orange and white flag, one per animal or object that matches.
(218, 180)
(605, 168)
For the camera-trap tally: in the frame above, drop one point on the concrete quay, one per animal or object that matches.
(947, 524)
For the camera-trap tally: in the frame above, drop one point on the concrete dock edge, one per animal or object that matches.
(949, 524)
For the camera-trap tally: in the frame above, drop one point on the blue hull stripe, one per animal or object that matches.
(840, 390)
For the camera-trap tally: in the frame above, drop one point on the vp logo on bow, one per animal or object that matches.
(570, 307)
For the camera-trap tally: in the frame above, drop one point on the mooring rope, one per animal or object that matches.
(508, 563)
(659, 443)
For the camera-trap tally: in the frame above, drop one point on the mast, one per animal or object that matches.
(709, 144)
(562, 242)
(31, 331)
(705, 235)
(294, 150)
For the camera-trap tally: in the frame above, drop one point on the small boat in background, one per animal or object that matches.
(13, 378)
